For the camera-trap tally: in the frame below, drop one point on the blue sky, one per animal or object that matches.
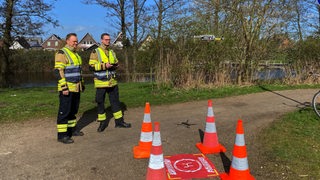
(74, 16)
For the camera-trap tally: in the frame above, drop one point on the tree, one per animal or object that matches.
(248, 22)
(318, 9)
(166, 14)
(303, 20)
(18, 18)
(138, 12)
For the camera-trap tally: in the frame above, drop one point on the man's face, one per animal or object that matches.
(105, 40)
(72, 41)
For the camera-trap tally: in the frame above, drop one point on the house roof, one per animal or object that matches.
(91, 48)
(56, 37)
(147, 39)
(23, 42)
(86, 37)
(34, 44)
(146, 42)
(118, 38)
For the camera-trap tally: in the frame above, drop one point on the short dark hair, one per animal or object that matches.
(70, 34)
(104, 34)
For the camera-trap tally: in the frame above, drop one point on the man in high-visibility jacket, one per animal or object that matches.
(103, 62)
(70, 84)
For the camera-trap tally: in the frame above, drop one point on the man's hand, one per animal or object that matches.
(108, 65)
(65, 92)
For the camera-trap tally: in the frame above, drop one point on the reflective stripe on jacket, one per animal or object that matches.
(72, 71)
(104, 78)
(102, 58)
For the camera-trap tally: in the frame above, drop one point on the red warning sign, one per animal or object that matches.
(187, 166)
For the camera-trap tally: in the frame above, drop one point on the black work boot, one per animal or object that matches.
(121, 124)
(77, 133)
(66, 140)
(103, 125)
(69, 132)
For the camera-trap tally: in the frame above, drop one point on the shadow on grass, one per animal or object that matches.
(90, 116)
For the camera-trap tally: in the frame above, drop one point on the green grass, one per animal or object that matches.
(292, 145)
(31, 103)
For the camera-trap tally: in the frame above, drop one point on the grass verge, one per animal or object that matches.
(291, 146)
(28, 103)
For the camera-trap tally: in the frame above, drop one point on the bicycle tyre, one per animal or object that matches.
(316, 103)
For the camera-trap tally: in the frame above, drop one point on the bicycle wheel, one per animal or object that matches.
(316, 103)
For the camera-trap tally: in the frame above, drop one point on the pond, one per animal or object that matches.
(47, 79)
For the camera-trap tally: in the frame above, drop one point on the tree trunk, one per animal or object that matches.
(4, 68)
(298, 20)
(216, 16)
(160, 19)
(126, 62)
(319, 18)
(5, 51)
(135, 37)
(124, 39)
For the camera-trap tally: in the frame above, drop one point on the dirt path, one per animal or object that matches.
(29, 150)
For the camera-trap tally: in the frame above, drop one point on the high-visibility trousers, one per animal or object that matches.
(68, 108)
(113, 94)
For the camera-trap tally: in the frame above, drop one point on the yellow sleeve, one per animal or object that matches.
(115, 57)
(94, 62)
(60, 64)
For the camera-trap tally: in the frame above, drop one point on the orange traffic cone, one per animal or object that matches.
(145, 143)
(210, 143)
(156, 170)
(239, 169)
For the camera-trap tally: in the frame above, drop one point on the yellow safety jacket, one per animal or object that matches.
(72, 71)
(102, 76)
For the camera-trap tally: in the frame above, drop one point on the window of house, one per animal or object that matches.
(48, 43)
(56, 43)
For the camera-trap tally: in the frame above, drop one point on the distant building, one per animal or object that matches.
(54, 42)
(93, 47)
(86, 42)
(144, 45)
(34, 42)
(20, 43)
(118, 42)
(35, 45)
